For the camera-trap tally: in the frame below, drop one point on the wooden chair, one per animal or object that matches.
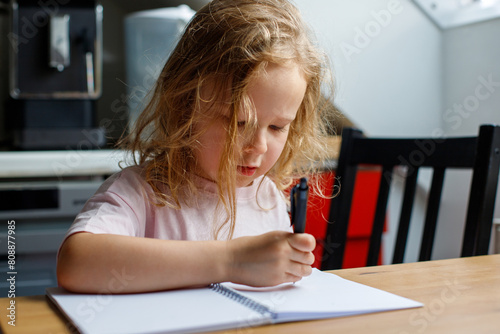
(481, 154)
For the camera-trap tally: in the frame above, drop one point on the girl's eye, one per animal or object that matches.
(278, 128)
(241, 123)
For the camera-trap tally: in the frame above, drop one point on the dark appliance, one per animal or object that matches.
(55, 75)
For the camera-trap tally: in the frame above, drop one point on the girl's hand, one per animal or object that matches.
(270, 259)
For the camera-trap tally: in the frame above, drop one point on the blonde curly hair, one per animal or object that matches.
(228, 42)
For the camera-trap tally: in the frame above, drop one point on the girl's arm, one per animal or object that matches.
(105, 263)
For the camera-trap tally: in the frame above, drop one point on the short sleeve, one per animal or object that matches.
(120, 206)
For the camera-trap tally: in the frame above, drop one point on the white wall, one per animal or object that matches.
(386, 61)
(471, 59)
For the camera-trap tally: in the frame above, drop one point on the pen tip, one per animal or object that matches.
(303, 183)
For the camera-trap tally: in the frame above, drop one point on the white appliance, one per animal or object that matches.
(150, 37)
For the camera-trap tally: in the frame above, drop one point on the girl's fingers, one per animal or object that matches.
(302, 242)
(302, 257)
(299, 270)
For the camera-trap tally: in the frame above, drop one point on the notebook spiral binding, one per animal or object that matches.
(251, 304)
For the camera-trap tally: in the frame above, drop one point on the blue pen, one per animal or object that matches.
(298, 203)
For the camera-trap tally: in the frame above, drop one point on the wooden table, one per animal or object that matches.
(460, 296)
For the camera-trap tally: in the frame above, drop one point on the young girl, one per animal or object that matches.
(234, 113)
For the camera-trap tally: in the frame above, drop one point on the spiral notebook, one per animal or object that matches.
(224, 306)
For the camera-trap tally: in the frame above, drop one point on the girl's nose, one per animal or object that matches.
(257, 143)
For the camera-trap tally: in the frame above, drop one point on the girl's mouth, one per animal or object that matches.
(246, 170)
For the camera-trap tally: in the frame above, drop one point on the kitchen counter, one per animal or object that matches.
(27, 164)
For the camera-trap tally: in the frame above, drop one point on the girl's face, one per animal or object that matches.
(277, 95)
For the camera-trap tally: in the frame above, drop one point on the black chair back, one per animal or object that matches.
(481, 154)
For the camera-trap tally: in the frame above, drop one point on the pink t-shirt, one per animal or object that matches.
(122, 206)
